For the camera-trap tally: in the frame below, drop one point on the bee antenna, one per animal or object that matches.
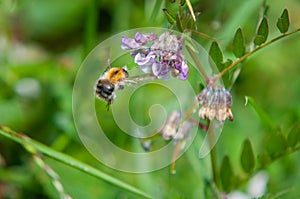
(108, 59)
(108, 62)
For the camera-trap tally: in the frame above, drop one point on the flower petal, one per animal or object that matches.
(144, 38)
(129, 44)
(184, 71)
(161, 70)
(141, 59)
(146, 68)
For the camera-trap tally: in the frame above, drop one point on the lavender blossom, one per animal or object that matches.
(138, 41)
(161, 58)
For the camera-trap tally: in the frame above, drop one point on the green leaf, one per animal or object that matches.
(216, 54)
(171, 19)
(179, 24)
(247, 157)
(238, 43)
(226, 174)
(283, 22)
(264, 159)
(187, 21)
(262, 32)
(294, 135)
(276, 145)
(226, 77)
(227, 63)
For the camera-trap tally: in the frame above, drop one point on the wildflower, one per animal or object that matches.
(173, 129)
(169, 129)
(183, 131)
(216, 103)
(138, 41)
(179, 132)
(160, 58)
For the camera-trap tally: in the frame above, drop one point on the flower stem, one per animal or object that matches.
(253, 51)
(196, 60)
(33, 147)
(213, 157)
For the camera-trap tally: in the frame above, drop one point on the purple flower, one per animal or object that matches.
(161, 70)
(138, 41)
(167, 42)
(160, 58)
(145, 59)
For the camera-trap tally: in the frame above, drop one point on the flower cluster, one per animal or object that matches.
(160, 56)
(174, 130)
(215, 103)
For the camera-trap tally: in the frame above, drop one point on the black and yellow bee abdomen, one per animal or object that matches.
(105, 90)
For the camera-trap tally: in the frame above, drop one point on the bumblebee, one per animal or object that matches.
(113, 79)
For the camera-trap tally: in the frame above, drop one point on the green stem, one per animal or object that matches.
(213, 157)
(253, 51)
(196, 60)
(33, 146)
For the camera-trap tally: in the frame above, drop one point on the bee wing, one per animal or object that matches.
(136, 80)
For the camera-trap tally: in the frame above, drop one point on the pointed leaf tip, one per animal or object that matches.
(226, 174)
(171, 19)
(283, 22)
(216, 54)
(247, 157)
(294, 135)
(238, 43)
(262, 32)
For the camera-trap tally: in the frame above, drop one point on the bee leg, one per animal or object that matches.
(107, 106)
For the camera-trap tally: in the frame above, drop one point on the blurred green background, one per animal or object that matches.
(42, 44)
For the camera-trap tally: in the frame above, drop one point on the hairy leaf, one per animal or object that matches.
(262, 32)
(283, 22)
(216, 54)
(187, 20)
(171, 19)
(179, 24)
(294, 135)
(226, 174)
(238, 43)
(247, 157)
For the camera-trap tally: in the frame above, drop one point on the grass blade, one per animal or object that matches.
(33, 146)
